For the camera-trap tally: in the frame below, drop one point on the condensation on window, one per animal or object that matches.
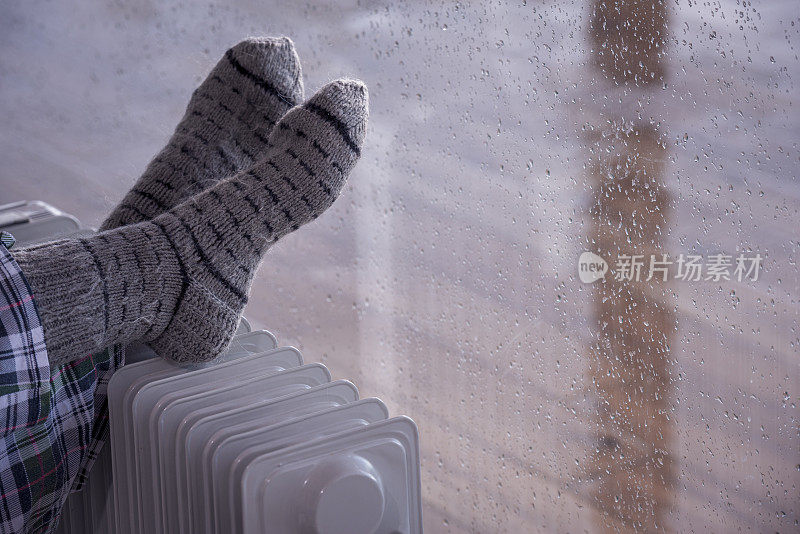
(505, 140)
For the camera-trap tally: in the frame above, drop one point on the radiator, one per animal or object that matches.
(256, 441)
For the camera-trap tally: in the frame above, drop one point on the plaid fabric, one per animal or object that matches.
(53, 422)
(7, 239)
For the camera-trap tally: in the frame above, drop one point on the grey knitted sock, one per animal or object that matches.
(181, 280)
(224, 130)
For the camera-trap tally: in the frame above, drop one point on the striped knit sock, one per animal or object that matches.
(224, 130)
(181, 280)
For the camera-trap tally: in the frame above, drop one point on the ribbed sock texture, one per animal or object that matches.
(225, 128)
(181, 280)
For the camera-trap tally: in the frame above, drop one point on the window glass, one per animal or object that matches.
(505, 141)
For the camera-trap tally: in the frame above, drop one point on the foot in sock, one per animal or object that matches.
(180, 281)
(225, 128)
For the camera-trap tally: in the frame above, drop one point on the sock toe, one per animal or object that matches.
(272, 63)
(345, 104)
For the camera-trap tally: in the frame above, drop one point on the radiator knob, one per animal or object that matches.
(344, 494)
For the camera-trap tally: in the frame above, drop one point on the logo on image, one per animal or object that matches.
(591, 267)
(687, 267)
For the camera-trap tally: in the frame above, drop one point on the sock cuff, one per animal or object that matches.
(74, 322)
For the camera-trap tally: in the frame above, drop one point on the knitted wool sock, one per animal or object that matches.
(224, 130)
(181, 280)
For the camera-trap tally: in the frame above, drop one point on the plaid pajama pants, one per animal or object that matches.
(53, 422)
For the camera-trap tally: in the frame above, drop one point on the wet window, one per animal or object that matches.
(569, 251)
